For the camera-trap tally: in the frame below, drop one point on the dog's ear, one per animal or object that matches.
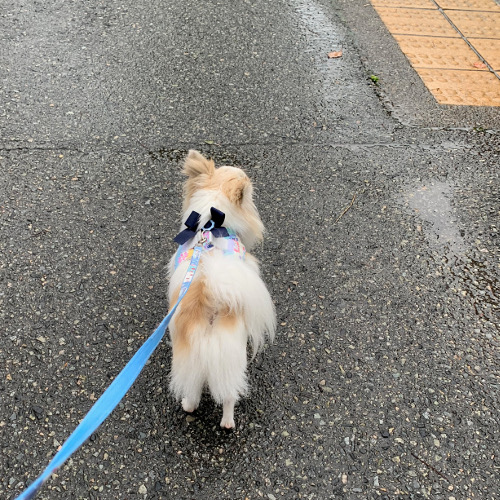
(196, 164)
(238, 190)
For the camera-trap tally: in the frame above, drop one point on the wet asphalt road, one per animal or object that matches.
(382, 252)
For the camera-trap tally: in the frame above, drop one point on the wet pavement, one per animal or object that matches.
(382, 213)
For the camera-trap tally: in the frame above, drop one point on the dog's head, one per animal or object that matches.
(226, 188)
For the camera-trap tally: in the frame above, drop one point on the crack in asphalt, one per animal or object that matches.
(292, 142)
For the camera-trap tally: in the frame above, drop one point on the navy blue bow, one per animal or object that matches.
(190, 232)
(214, 225)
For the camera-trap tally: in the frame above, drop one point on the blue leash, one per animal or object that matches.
(115, 392)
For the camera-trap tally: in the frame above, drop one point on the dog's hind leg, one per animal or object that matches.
(187, 380)
(227, 421)
(188, 330)
(187, 376)
(189, 405)
(226, 364)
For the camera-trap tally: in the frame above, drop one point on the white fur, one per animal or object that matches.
(217, 357)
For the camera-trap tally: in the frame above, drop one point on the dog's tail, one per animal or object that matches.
(260, 317)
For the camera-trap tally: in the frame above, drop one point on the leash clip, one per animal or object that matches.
(205, 237)
(206, 231)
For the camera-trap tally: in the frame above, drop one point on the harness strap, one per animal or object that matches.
(229, 245)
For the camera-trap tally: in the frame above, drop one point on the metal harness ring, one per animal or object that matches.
(211, 227)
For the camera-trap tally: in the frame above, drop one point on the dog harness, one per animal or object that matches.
(212, 229)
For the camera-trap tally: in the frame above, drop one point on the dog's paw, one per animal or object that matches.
(188, 406)
(227, 423)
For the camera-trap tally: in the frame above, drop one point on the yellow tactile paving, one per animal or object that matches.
(435, 52)
(416, 22)
(484, 5)
(489, 50)
(454, 45)
(463, 87)
(476, 24)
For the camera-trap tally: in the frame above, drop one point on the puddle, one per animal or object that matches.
(432, 204)
(467, 270)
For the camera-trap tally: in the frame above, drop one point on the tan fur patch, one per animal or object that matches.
(234, 188)
(193, 314)
(198, 312)
(227, 321)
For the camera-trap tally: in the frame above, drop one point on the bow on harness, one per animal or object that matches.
(214, 225)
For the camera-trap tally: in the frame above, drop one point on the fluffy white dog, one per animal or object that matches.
(228, 304)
